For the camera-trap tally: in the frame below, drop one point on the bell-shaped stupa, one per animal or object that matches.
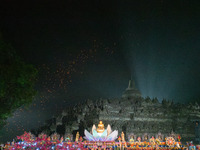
(131, 91)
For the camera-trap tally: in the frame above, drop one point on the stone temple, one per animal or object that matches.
(134, 115)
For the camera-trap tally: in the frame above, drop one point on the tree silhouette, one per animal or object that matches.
(16, 82)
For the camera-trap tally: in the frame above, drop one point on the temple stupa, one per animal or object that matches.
(131, 91)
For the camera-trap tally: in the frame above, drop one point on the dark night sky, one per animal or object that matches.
(89, 49)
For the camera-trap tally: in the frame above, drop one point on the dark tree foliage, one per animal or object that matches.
(16, 82)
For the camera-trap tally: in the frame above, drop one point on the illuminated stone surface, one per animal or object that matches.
(132, 115)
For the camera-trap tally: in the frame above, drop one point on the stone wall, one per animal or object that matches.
(136, 116)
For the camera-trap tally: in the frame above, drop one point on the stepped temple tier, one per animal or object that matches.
(131, 114)
(144, 123)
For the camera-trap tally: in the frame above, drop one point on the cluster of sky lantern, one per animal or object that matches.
(58, 75)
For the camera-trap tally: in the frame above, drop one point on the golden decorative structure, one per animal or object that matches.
(77, 136)
(100, 128)
(122, 135)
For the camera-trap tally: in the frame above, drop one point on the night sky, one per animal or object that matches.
(90, 49)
